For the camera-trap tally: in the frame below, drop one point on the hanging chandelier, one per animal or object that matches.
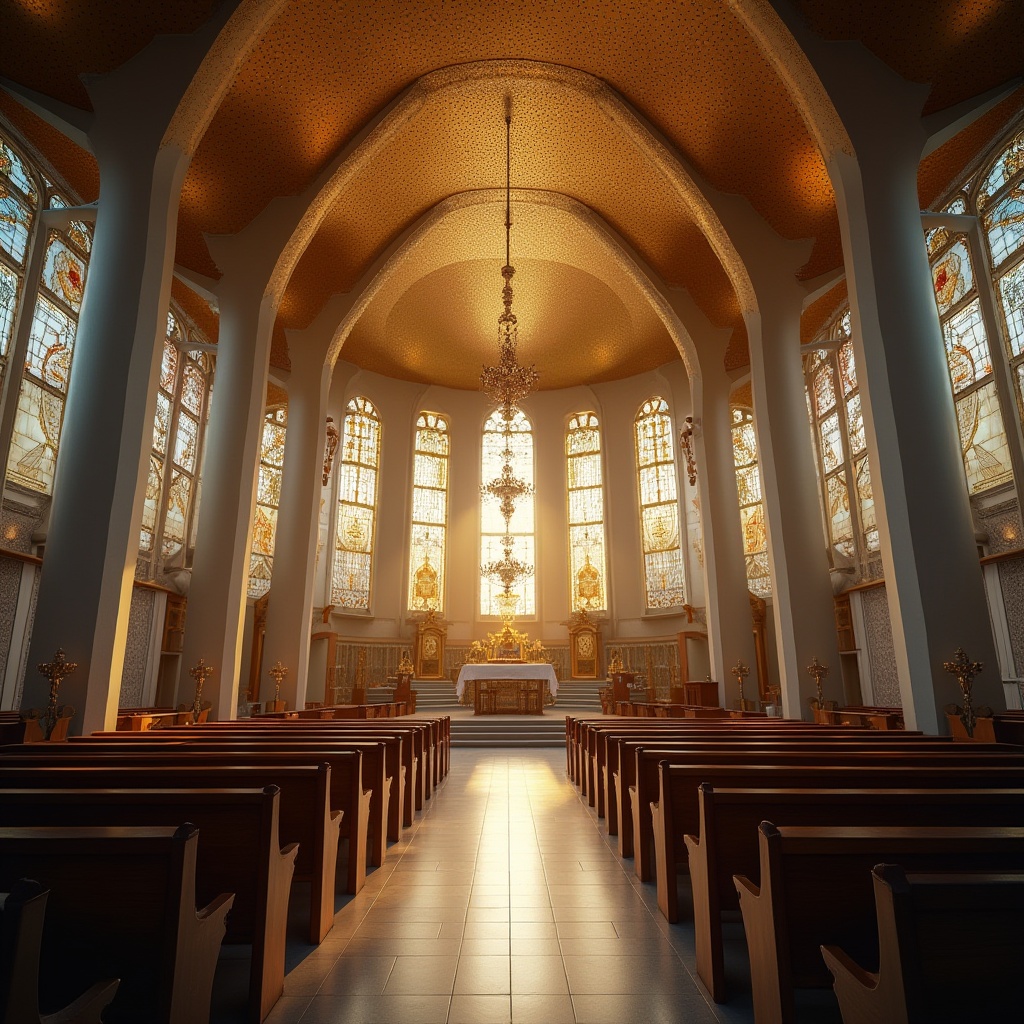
(507, 488)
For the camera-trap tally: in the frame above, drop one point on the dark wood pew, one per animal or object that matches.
(726, 843)
(935, 932)
(122, 904)
(239, 852)
(305, 814)
(815, 889)
(347, 793)
(638, 796)
(22, 913)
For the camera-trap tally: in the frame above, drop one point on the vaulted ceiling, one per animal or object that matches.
(326, 70)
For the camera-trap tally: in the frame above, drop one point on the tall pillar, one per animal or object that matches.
(802, 601)
(730, 628)
(291, 588)
(99, 484)
(217, 592)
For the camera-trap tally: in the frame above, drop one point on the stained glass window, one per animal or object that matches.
(47, 369)
(521, 525)
(170, 509)
(587, 569)
(268, 499)
(357, 506)
(429, 530)
(664, 574)
(841, 443)
(748, 490)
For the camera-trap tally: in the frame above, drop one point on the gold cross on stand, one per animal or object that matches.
(740, 671)
(965, 670)
(200, 674)
(277, 673)
(56, 671)
(817, 671)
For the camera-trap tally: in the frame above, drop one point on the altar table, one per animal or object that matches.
(507, 689)
(498, 670)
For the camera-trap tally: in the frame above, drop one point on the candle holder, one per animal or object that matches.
(277, 673)
(56, 671)
(740, 671)
(965, 670)
(200, 674)
(817, 671)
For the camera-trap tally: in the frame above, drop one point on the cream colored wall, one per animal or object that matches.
(399, 403)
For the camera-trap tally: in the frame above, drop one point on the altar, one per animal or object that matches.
(507, 689)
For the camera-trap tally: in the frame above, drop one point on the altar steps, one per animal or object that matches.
(547, 730)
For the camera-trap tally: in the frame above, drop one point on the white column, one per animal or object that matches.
(217, 592)
(802, 602)
(291, 588)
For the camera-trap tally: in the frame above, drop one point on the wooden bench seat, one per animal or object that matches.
(935, 932)
(727, 844)
(239, 852)
(122, 905)
(22, 915)
(816, 889)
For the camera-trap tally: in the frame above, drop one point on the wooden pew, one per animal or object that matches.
(934, 933)
(22, 913)
(638, 796)
(123, 904)
(305, 815)
(239, 851)
(815, 889)
(347, 793)
(726, 843)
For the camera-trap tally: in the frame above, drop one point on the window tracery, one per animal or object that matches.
(429, 528)
(268, 500)
(521, 525)
(748, 491)
(587, 567)
(664, 574)
(357, 506)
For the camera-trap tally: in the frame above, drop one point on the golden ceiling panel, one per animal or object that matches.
(197, 308)
(48, 44)
(742, 397)
(324, 70)
(961, 49)
(582, 317)
(562, 141)
(821, 311)
(737, 352)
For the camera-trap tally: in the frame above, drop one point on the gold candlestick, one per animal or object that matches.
(740, 671)
(817, 671)
(56, 671)
(965, 670)
(200, 674)
(277, 673)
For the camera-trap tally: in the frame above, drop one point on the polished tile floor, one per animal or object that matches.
(504, 902)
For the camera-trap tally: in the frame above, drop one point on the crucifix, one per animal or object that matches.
(56, 671)
(277, 673)
(817, 671)
(965, 670)
(740, 671)
(200, 674)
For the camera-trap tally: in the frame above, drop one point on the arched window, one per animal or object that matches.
(521, 525)
(664, 576)
(587, 571)
(429, 529)
(748, 489)
(268, 499)
(170, 511)
(56, 299)
(357, 506)
(841, 444)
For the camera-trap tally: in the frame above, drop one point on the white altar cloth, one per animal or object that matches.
(503, 670)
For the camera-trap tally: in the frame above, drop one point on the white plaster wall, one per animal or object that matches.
(400, 402)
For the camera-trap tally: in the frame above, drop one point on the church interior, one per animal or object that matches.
(471, 462)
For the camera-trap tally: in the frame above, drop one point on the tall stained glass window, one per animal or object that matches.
(748, 489)
(40, 413)
(664, 576)
(983, 442)
(521, 525)
(587, 571)
(843, 464)
(429, 530)
(170, 510)
(357, 506)
(268, 499)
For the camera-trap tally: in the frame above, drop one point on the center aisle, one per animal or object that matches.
(503, 902)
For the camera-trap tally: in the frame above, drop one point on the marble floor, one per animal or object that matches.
(504, 902)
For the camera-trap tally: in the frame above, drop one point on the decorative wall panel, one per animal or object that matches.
(885, 685)
(1011, 580)
(136, 655)
(10, 583)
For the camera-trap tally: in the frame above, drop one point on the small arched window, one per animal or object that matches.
(357, 506)
(587, 572)
(748, 490)
(429, 528)
(664, 575)
(268, 500)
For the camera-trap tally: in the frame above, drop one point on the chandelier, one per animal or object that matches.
(507, 383)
